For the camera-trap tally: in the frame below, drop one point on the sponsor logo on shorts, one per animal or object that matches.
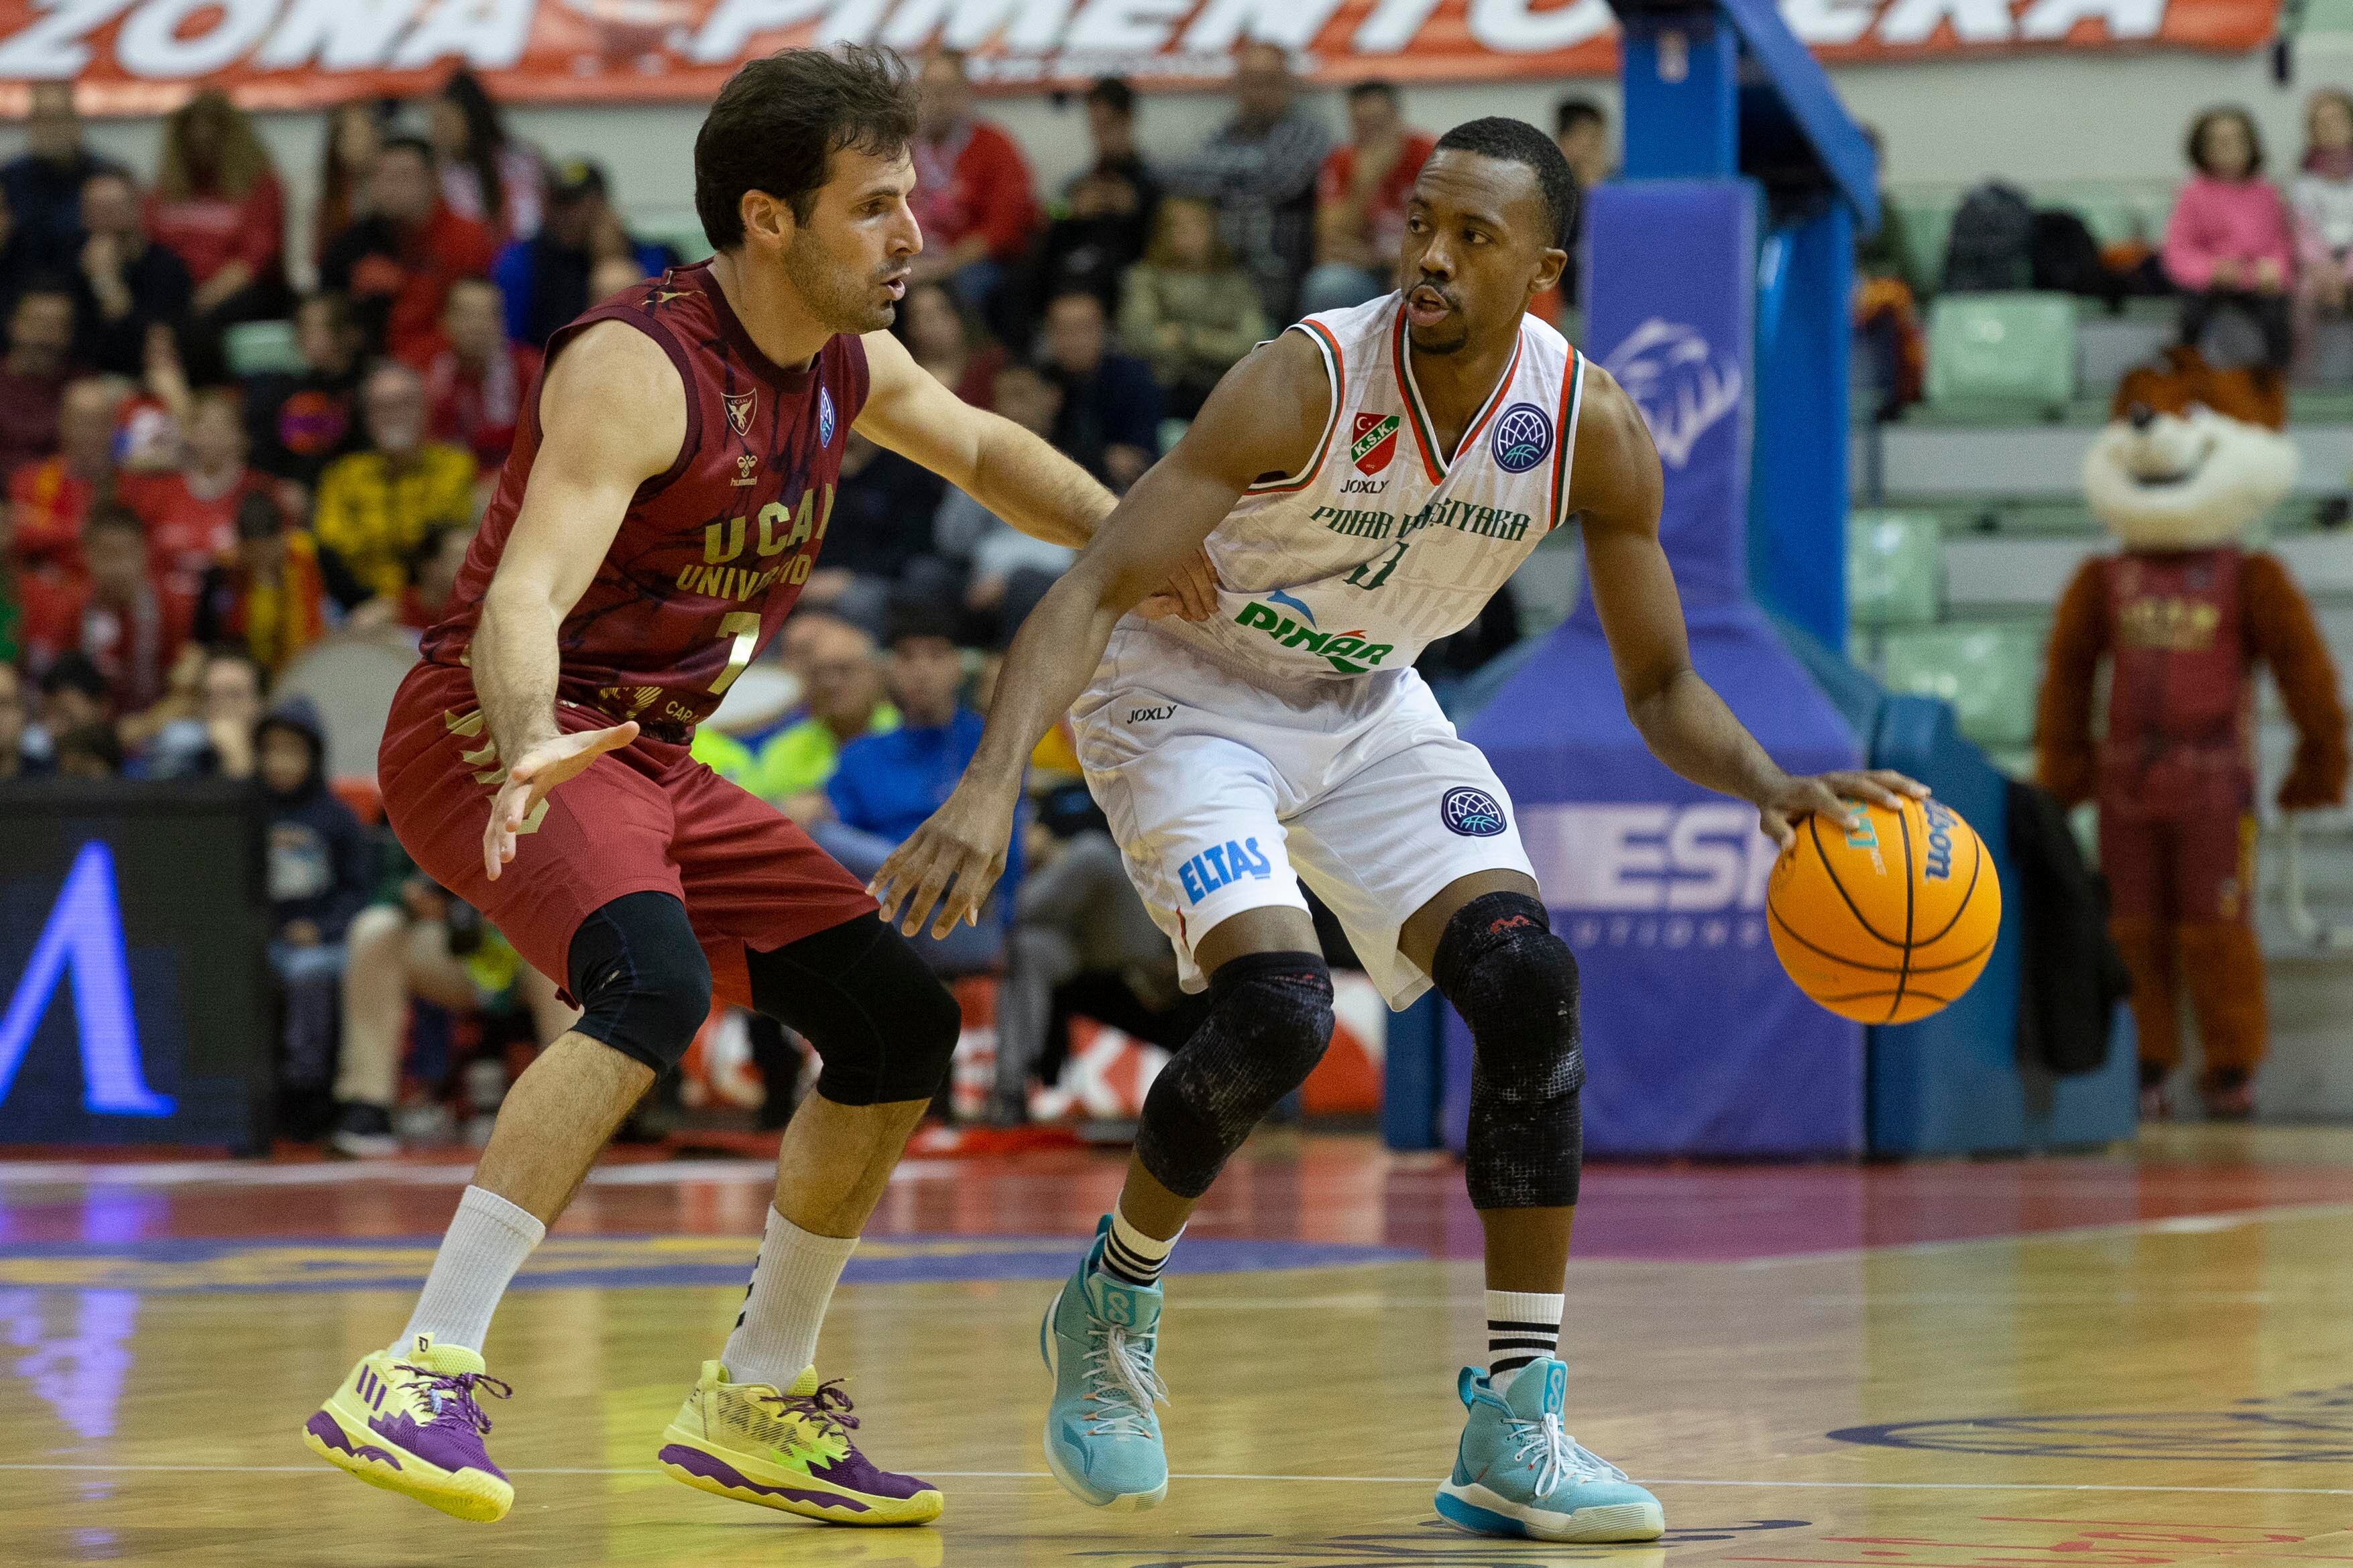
(1521, 439)
(1222, 863)
(1152, 715)
(1473, 812)
(1346, 652)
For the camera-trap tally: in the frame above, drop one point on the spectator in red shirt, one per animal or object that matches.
(32, 373)
(1360, 197)
(48, 500)
(396, 264)
(474, 385)
(115, 617)
(191, 511)
(268, 597)
(218, 204)
(974, 196)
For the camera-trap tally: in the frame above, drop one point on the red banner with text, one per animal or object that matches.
(142, 56)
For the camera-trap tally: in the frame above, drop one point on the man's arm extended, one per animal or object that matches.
(613, 414)
(1618, 487)
(1264, 418)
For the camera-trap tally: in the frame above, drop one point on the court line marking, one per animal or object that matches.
(1217, 1475)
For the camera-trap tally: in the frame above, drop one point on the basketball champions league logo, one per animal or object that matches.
(1684, 388)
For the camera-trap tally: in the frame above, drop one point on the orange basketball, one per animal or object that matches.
(1888, 923)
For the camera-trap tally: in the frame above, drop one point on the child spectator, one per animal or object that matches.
(2230, 247)
(487, 176)
(1188, 310)
(219, 206)
(1360, 197)
(2323, 198)
(299, 422)
(396, 263)
(376, 507)
(32, 373)
(944, 341)
(1110, 422)
(128, 284)
(319, 870)
(355, 132)
(973, 196)
(191, 511)
(47, 500)
(269, 597)
(474, 385)
(114, 615)
(1107, 208)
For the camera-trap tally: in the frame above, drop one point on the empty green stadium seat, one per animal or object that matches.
(1894, 569)
(1990, 672)
(683, 236)
(2013, 349)
(257, 348)
(1927, 221)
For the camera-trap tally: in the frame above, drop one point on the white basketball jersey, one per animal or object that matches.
(1381, 545)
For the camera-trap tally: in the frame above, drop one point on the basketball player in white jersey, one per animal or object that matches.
(1363, 483)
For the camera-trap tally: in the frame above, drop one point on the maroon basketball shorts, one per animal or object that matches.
(646, 818)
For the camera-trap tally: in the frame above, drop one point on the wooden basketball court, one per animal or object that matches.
(2138, 1359)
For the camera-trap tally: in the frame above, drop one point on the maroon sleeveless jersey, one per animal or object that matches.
(712, 553)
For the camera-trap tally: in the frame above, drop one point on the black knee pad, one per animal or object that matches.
(1269, 1020)
(640, 978)
(1515, 984)
(882, 1024)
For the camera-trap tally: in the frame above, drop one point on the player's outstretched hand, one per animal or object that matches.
(1191, 592)
(1829, 793)
(952, 860)
(536, 771)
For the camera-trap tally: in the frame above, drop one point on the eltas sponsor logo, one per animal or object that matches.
(1222, 863)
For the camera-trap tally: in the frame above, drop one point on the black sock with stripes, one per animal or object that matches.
(1521, 1326)
(1132, 1257)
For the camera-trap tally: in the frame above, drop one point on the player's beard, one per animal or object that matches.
(838, 299)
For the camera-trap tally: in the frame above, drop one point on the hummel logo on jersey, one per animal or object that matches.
(739, 410)
(1375, 442)
(1346, 652)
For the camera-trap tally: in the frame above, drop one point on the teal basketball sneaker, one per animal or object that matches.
(1518, 1473)
(1102, 1441)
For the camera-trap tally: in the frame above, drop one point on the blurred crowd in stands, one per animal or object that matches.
(226, 446)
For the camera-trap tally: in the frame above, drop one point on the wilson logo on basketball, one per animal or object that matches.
(1375, 442)
(1940, 841)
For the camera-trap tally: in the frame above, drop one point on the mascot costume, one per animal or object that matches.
(2182, 614)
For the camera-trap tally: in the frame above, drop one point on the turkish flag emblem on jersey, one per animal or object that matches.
(1375, 442)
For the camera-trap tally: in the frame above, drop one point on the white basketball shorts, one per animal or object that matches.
(1223, 790)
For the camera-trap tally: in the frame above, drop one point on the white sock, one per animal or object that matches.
(1521, 1326)
(1132, 1257)
(775, 1334)
(488, 1240)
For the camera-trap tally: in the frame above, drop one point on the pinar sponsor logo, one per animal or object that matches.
(146, 56)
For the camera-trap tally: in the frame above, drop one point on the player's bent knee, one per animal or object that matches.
(882, 1024)
(1514, 982)
(1269, 1023)
(640, 978)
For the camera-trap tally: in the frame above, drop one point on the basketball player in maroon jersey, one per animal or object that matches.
(666, 500)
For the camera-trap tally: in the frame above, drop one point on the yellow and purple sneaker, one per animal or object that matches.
(406, 1420)
(787, 1449)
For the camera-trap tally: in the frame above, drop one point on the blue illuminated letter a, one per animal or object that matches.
(85, 935)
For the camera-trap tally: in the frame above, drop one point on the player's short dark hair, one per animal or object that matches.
(779, 120)
(1571, 112)
(1114, 93)
(1517, 141)
(1375, 89)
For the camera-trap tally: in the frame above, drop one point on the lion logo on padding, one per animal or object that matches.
(1683, 386)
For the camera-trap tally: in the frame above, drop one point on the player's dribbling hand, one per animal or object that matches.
(952, 860)
(536, 771)
(1829, 794)
(1191, 592)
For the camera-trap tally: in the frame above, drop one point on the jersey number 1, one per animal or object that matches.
(744, 626)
